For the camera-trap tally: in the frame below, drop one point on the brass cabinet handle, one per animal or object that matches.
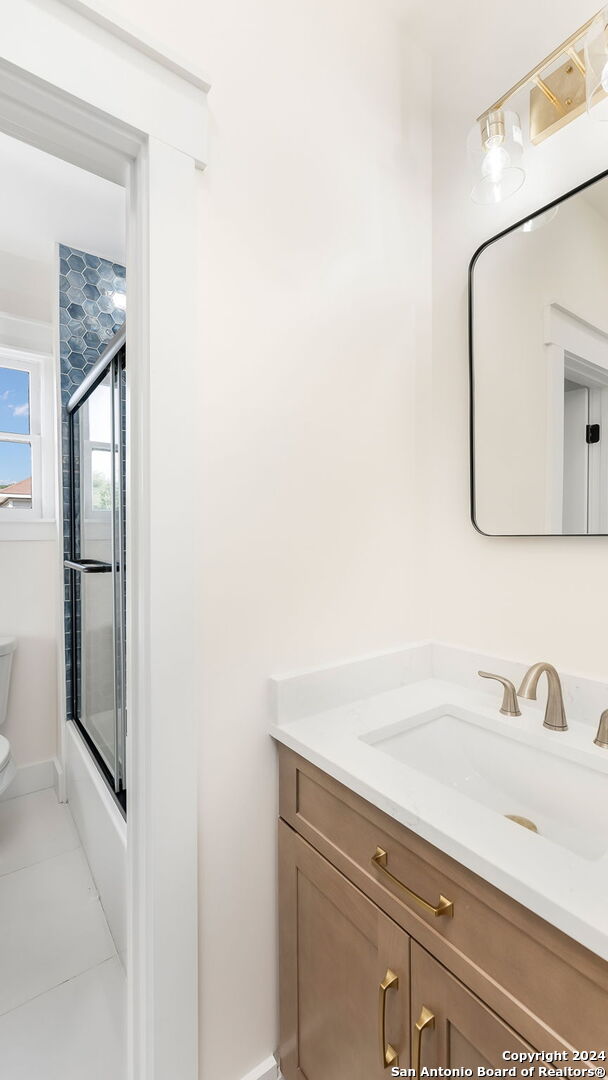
(388, 1054)
(444, 907)
(425, 1020)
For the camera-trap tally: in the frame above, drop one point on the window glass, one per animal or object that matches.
(14, 401)
(101, 479)
(100, 413)
(15, 475)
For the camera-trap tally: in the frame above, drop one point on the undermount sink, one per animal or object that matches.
(566, 802)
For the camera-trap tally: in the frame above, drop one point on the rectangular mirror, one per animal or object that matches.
(538, 333)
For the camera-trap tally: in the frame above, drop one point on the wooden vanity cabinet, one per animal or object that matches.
(336, 948)
(460, 1030)
(355, 946)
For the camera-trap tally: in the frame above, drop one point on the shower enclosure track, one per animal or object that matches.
(112, 361)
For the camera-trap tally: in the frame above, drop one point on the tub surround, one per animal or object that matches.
(331, 718)
(103, 833)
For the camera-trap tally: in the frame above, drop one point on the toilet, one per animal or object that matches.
(7, 766)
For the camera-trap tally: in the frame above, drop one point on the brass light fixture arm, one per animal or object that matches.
(550, 96)
(567, 48)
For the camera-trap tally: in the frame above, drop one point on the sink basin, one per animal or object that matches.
(566, 801)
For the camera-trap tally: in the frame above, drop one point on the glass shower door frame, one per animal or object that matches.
(112, 362)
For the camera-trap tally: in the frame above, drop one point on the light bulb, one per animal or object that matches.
(493, 141)
(494, 163)
(495, 150)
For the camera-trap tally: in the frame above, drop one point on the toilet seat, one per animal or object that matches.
(8, 769)
(5, 753)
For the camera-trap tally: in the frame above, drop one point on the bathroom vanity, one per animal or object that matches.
(418, 924)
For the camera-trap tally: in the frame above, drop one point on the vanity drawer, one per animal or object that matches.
(550, 988)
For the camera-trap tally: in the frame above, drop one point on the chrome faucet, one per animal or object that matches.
(509, 705)
(555, 714)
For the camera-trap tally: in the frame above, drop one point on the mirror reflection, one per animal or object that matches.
(539, 371)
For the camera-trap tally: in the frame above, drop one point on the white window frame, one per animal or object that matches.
(41, 439)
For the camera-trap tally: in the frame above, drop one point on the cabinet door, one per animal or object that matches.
(344, 968)
(455, 1028)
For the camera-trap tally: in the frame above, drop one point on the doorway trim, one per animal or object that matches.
(143, 128)
(578, 349)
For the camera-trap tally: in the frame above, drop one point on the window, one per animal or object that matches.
(26, 460)
(96, 429)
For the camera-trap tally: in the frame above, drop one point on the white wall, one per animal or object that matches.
(315, 426)
(533, 599)
(314, 301)
(26, 287)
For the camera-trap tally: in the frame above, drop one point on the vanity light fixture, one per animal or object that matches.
(571, 79)
(495, 150)
(596, 66)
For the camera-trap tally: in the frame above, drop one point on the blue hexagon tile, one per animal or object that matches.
(92, 301)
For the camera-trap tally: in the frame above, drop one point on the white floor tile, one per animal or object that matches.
(32, 828)
(52, 928)
(75, 1032)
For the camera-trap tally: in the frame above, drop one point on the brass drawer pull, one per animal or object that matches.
(388, 1055)
(426, 1019)
(444, 907)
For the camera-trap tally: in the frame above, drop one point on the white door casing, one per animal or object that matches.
(576, 350)
(144, 128)
(576, 462)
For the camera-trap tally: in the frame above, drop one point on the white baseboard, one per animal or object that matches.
(266, 1070)
(34, 777)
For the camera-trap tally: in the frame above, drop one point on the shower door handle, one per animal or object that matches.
(88, 566)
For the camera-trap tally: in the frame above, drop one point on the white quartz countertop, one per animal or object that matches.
(567, 889)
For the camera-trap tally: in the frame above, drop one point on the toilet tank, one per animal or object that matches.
(7, 648)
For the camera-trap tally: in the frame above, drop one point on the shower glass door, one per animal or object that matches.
(97, 562)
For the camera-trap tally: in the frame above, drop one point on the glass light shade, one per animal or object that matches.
(495, 150)
(596, 64)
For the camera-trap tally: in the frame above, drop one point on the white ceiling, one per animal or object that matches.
(45, 200)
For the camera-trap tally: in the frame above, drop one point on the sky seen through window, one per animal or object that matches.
(15, 457)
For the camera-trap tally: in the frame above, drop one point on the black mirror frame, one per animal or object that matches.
(487, 243)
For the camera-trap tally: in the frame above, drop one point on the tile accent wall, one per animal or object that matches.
(92, 296)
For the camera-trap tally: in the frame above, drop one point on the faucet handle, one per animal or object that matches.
(601, 739)
(509, 705)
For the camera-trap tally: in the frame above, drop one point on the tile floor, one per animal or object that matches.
(62, 987)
